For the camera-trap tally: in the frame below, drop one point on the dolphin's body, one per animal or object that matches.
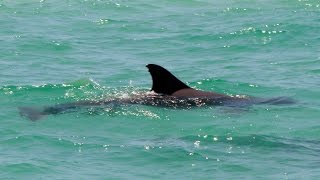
(168, 90)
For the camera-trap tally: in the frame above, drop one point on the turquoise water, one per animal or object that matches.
(63, 51)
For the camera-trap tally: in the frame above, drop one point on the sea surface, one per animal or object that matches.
(57, 51)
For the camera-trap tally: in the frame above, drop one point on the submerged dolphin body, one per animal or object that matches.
(168, 90)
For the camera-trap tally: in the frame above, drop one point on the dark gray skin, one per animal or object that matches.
(168, 92)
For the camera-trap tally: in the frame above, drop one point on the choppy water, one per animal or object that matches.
(63, 51)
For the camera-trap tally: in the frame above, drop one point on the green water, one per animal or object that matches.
(63, 51)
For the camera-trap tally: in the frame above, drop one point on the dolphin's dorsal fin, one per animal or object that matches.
(163, 81)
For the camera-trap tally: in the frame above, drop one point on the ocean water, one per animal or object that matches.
(64, 51)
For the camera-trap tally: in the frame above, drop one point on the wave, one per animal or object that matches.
(211, 142)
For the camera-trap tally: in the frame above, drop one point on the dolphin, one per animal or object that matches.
(167, 90)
